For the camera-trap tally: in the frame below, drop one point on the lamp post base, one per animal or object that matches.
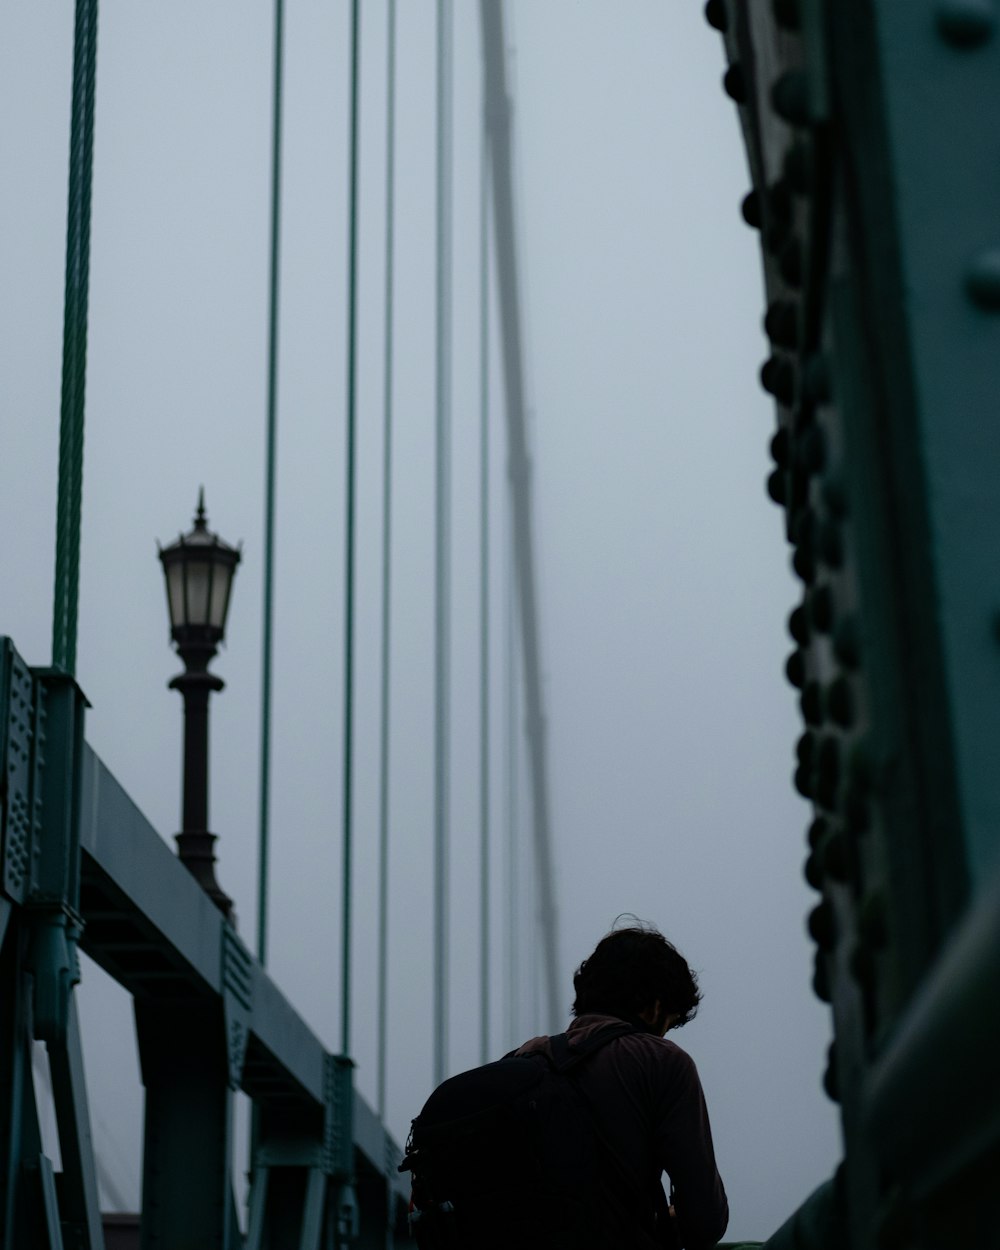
(196, 854)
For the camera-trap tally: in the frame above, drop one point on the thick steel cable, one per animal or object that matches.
(383, 780)
(74, 362)
(351, 475)
(484, 605)
(442, 521)
(264, 823)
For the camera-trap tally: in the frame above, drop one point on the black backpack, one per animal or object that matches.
(509, 1157)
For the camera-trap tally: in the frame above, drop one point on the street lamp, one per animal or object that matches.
(199, 569)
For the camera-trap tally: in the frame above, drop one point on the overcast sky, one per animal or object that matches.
(663, 575)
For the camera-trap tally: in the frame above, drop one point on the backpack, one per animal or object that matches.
(509, 1155)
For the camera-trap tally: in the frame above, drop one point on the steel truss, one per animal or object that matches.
(82, 869)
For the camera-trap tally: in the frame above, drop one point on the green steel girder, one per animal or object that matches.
(870, 129)
(80, 863)
(40, 755)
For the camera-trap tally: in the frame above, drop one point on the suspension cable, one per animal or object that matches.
(383, 788)
(269, 503)
(484, 603)
(74, 362)
(442, 519)
(351, 474)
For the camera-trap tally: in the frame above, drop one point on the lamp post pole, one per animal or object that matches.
(199, 569)
(194, 843)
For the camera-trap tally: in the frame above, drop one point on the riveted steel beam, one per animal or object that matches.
(870, 131)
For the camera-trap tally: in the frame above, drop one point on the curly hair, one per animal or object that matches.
(631, 969)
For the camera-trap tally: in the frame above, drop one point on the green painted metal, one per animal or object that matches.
(209, 1020)
(270, 476)
(74, 367)
(41, 755)
(869, 128)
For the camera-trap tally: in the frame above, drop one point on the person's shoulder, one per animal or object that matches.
(533, 1046)
(662, 1053)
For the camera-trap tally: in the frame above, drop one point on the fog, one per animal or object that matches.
(663, 575)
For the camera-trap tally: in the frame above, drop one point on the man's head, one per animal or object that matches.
(635, 972)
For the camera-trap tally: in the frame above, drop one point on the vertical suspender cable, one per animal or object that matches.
(74, 362)
(264, 820)
(352, 353)
(513, 806)
(383, 781)
(484, 606)
(442, 519)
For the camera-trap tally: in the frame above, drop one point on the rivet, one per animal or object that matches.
(778, 378)
(798, 626)
(820, 607)
(983, 279)
(828, 779)
(812, 870)
(840, 703)
(781, 324)
(966, 23)
(805, 748)
(790, 97)
(796, 168)
(847, 643)
(821, 978)
(802, 780)
(716, 15)
(817, 831)
(804, 529)
(750, 209)
(829, 758)
(776, 486)
(838, 858)
(804, 564)
(790, 263)
(812, 702)
(795, 669)
(822, 926)
(831, 1086)
(734, 83)
(779, 448)
(786, 13)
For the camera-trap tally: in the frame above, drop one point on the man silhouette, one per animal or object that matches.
(644, 1094)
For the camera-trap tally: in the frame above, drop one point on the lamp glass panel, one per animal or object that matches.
(175, 592)
(221, 582)
(199, 589)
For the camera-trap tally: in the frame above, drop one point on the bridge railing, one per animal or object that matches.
(81, 866)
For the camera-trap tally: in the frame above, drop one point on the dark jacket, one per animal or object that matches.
(649, 1107)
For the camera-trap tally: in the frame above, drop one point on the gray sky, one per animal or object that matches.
(663, 575)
